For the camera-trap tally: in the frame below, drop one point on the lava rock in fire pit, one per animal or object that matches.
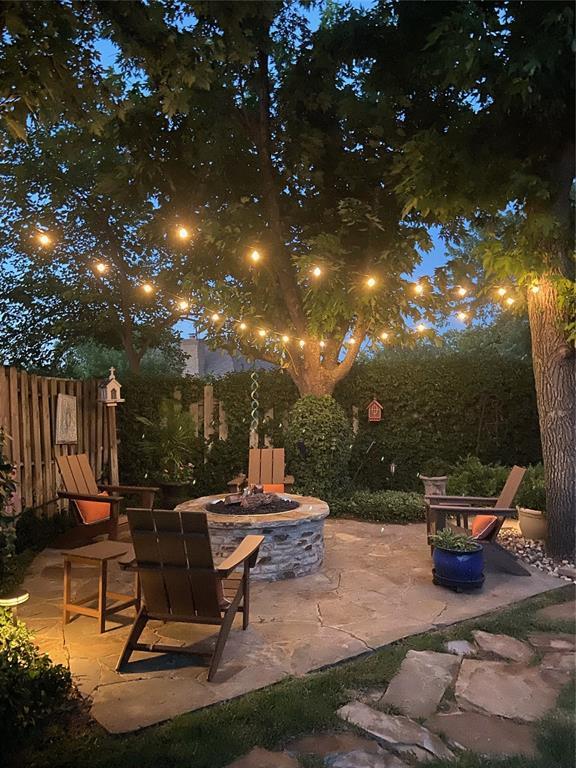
(256, 503)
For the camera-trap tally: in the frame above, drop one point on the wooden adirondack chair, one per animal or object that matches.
(98, 506)
(266, 466)
(180, 582)
(489, 515)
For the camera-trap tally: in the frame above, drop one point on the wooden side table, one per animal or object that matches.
(98, 555)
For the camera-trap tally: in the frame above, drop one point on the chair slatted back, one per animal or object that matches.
(77, 474)
(510, 489)
(175, 562)
(266, 466)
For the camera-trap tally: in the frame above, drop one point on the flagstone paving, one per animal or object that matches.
(374, 588)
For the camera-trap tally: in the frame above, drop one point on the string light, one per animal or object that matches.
(384, 336)
(462, 291)
(535, 288)
(351, 340)
(322, 344)
(302, 343)
(215, 317)
(371, 282)
(44, 239)
(101, 267)
(421, 328)
(255, 256)
(261, 332)
(147, 288)
(418, 289)
(501, 291)
(462, 316)
(285, 339)
(183, 233)
(317, 271)
(242, 326)
(183, 305)
(509, 301)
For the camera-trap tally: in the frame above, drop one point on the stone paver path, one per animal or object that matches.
(374, 587)
(421, 682)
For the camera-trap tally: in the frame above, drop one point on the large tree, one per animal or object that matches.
(506, 163)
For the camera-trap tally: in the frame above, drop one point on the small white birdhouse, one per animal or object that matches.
(109, 390)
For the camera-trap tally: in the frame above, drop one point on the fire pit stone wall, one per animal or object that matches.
(293, 540)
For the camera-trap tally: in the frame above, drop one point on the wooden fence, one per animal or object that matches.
(28, 414)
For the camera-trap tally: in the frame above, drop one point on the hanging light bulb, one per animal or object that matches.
(242, 326)
(285, 339)
(44, 239)
(462, 291)
(147, 288)
(509, 301)
(317, 271)
(384, 335)
(261, 332)
(215, 317)
(183, 305)
(101, 268)
(183, 233)
(418, 289)
(371, 282)
(501, 291)
(255, 256)
(462, 316)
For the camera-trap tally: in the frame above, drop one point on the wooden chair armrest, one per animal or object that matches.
(461, 500)
(452, 509)
(89, 497)
(128, 488)
(247, 549)
(128, 561)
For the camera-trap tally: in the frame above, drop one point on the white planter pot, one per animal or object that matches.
(533, 524)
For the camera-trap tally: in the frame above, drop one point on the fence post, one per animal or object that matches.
(113, 445)
(208, 411)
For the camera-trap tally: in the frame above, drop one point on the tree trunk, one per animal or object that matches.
(555, 376)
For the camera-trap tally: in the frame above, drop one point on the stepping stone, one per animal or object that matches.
(483, 734)
(509, 690)
(262, 758)
(561, 611)
(548, 641)
(504, 646)
(397, 732)
(564, 662)
(323, 744)
(418, 687)
(460, 648)
(360, 759)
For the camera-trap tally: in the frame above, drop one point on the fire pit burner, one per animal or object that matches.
(277, 504)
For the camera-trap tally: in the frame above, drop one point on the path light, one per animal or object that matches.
(371, 282)
(316, 271)
(147, 288)
(44, 239)
(101, 268)
(501, 291)
(255, 256)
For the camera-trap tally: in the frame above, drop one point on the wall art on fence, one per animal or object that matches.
(66, 427)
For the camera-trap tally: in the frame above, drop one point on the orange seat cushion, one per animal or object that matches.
(483, 525)
(273, 488)
(94, 511)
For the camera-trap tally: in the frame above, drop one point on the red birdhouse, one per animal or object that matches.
(374, 411)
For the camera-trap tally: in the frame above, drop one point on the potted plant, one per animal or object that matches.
(458, 561)
(532, 505)
(169, 443)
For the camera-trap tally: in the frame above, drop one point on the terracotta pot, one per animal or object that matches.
(533, 523)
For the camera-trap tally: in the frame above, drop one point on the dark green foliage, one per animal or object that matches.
(380, 506)
(35, 530)
(441, 408)
(32, 689)
(472, 478)
(318, 439)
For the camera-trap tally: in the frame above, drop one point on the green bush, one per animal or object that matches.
(381, 506)
(472, 478)
(532, 493)
(32, 689)
(318, 438)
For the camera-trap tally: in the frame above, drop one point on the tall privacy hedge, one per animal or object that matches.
(434, 409)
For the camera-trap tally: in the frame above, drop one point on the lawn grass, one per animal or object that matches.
(270, 718)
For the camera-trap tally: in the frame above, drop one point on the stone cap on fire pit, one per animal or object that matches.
(309, 508)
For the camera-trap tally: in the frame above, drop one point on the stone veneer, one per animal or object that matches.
(293, 540)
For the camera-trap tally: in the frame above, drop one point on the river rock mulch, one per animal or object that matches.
(483, 696)
(533, 553)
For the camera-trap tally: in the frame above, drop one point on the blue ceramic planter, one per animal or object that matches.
(459, 570)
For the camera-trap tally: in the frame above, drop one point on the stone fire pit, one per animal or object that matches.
(293, 540)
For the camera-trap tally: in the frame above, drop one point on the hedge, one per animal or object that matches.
(435, 412)
(381, 506)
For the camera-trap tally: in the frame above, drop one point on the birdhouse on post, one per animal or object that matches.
(374, 411)
(109, 390)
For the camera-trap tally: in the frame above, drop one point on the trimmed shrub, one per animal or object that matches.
(381, 506)
(32, 689)
(318, 438)
(532, 492)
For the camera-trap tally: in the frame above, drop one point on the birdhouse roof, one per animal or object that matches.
(375, 402)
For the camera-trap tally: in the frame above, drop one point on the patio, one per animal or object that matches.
(374, 588)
